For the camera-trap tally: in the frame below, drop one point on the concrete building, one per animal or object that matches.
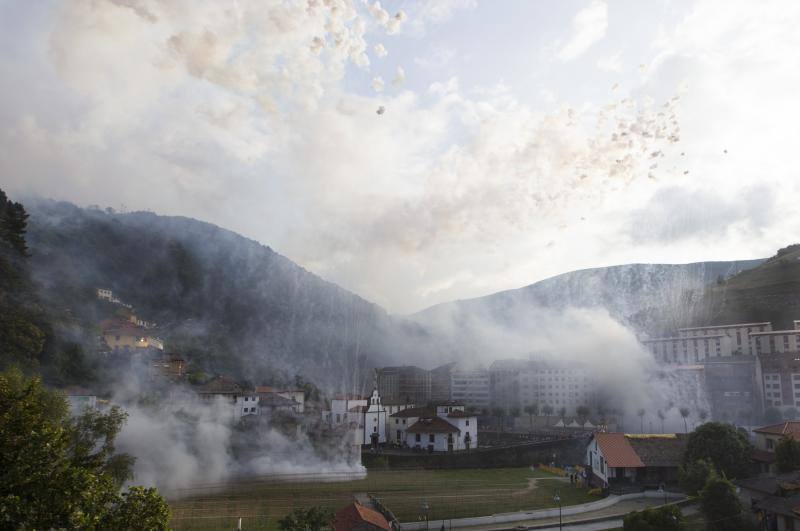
(733, 388)
(441, 382)
(517, 383)
(689, 350)
(780, 378)
(404, 384)
(738, 333)
(471, 387)
(775, 342)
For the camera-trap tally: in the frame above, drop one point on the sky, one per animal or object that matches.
(418, 152)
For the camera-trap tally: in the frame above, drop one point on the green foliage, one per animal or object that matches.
(13, 225)
(312, 519)
(547, 410)
(787, 455)
(668, 517)
(722, 446)
(58, 472)
(693, 476)
(721, 506)
(138, 508)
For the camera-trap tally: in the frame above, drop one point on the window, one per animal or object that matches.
(374, 429)
(431, 438)
(417, 437)
(468, 419)
(770, 444)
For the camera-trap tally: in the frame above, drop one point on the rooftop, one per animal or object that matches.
(789, 427)
(617, 450)
(414, 412)
(356, 516)
(791, 331)
(432, 425)
(737, 325)
(658, 451)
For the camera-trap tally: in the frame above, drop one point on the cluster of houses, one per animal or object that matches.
(438, 427)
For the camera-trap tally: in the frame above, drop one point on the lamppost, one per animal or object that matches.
(663, 491)
(425, 508)
(557, 499)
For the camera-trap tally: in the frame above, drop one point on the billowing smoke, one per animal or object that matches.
(180, 441)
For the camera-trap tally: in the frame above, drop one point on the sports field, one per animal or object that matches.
(448, 494)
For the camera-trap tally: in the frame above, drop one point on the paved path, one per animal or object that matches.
(578, 522)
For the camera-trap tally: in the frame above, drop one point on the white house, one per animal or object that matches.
(366, 412)
(341, 405)
(445, 427)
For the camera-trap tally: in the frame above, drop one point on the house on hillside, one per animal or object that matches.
(121, 335)
(768, 437)
(296, 395)
(356, 517)
(80, 400)
(171, 366)
(619, 459)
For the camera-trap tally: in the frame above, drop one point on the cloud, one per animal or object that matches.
(377, 84)
(611, 63)
(673, 214)
(588, 28)
(399, 77)
(380, 50)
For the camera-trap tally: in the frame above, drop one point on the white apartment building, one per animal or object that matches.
(689, 350)
(738, 333)
(775, 341)
(470, 387)
(341, 406)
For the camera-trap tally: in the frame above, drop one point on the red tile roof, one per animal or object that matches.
(790, 428)
(432, 425)
(617, 451)
(356, 515)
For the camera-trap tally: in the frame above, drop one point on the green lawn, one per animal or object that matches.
(448, 493)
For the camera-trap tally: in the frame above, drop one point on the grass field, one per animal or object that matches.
(448, 493)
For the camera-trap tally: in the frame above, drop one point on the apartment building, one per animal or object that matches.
(690, 350)
(404, 384)
(739, 334)
(517, 383)
(470, 387)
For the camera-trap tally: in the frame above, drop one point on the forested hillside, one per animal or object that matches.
(226, 303)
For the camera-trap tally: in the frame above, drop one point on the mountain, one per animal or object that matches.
(227, 303)
(651, 298)
(767, 292)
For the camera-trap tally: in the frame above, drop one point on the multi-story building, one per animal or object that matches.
(780, 377)
(738, 333)
(470, 387)
(775, 341)
(690, 350)
(441, 382)
(732, 388)
(404, 384)
(517, 383)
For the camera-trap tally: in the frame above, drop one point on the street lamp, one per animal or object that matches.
(557, 499)
(663, 491)
(425, 508)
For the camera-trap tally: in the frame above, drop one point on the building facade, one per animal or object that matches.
(404, 384)
(517, 383)
(471, 387)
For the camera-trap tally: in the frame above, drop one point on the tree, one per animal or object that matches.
(685, 412)
(702, 414)
(531, 410)
(787, 455)
(58, 472)
(514, 412)
(13, 225)
(721, 506)
(722, 446)
(311, 519)
(668, 517)
(582, 412)
(641, 414)
(661, 416)
(562, 411)
(693, 476)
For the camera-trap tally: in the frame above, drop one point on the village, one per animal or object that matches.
(516, 414)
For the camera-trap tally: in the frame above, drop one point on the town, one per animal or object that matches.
(551, 415)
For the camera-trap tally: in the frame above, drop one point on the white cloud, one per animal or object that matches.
(377, 84)
(380, 50)
(399, 77)
(611, 63)
(588, 27)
